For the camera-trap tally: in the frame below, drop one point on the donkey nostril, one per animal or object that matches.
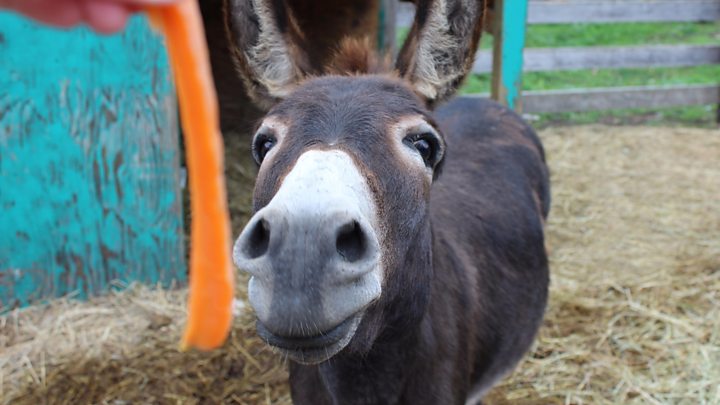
(351, 243)
(258, 240)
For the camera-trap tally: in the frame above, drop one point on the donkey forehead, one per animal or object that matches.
(338, 109)
(339, 101)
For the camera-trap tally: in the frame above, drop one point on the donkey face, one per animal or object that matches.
(346, 165)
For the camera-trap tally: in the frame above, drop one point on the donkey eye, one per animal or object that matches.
(426, 145)
(423, 146)
(262, 145)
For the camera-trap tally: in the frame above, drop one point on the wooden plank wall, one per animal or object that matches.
(610, 57)
(89, 158)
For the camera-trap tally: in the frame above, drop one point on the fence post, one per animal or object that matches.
(510, 18)
(386, 27)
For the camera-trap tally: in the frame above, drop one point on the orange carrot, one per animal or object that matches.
(211, 271)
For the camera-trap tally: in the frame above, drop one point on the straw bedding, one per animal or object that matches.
(634, 314)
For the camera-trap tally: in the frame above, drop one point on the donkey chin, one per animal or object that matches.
(311, 333)
(312, 349)
(310, 311)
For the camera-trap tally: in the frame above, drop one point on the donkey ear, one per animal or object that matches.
(266, 47)
(440, 48)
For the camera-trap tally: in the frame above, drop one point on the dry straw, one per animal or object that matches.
(634, 314)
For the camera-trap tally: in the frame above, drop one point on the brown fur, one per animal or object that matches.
(326, 22)
(358, 56)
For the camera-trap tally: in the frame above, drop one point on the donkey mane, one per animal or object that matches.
(356, 56)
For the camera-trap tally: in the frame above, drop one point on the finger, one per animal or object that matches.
(105, 17)
(58, 13)
(147, 2)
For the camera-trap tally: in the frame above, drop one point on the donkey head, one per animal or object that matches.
(340, 241)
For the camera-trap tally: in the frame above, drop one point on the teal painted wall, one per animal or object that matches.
(89, 162)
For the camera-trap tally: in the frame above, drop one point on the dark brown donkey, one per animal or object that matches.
(382, 280)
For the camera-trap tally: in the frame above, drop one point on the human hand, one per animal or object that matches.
(104, 16)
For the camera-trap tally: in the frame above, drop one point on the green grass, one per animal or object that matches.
(616, 35)
(622, 34)
(604, 77)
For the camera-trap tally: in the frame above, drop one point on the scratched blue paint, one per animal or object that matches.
(89, 179)
(513, 26)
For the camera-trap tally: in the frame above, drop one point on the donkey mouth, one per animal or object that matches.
(312, 349)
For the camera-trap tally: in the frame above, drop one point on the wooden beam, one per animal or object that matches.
(405, 14)
(576, 100)
(489, 23)
(604, 11)
(386, 27)
(509, 41)
(575, 58)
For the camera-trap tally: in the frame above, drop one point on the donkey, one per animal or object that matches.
(396, 254)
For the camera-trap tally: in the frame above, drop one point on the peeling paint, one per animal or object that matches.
(89, 165)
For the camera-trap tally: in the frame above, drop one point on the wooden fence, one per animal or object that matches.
(599, 57)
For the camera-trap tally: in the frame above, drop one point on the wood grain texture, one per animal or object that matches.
(610, 98)
(604, 11)
(610, 57)
(620, 98)
(612, 11)
(89, 179)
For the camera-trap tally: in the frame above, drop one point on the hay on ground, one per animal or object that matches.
(634, 314)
